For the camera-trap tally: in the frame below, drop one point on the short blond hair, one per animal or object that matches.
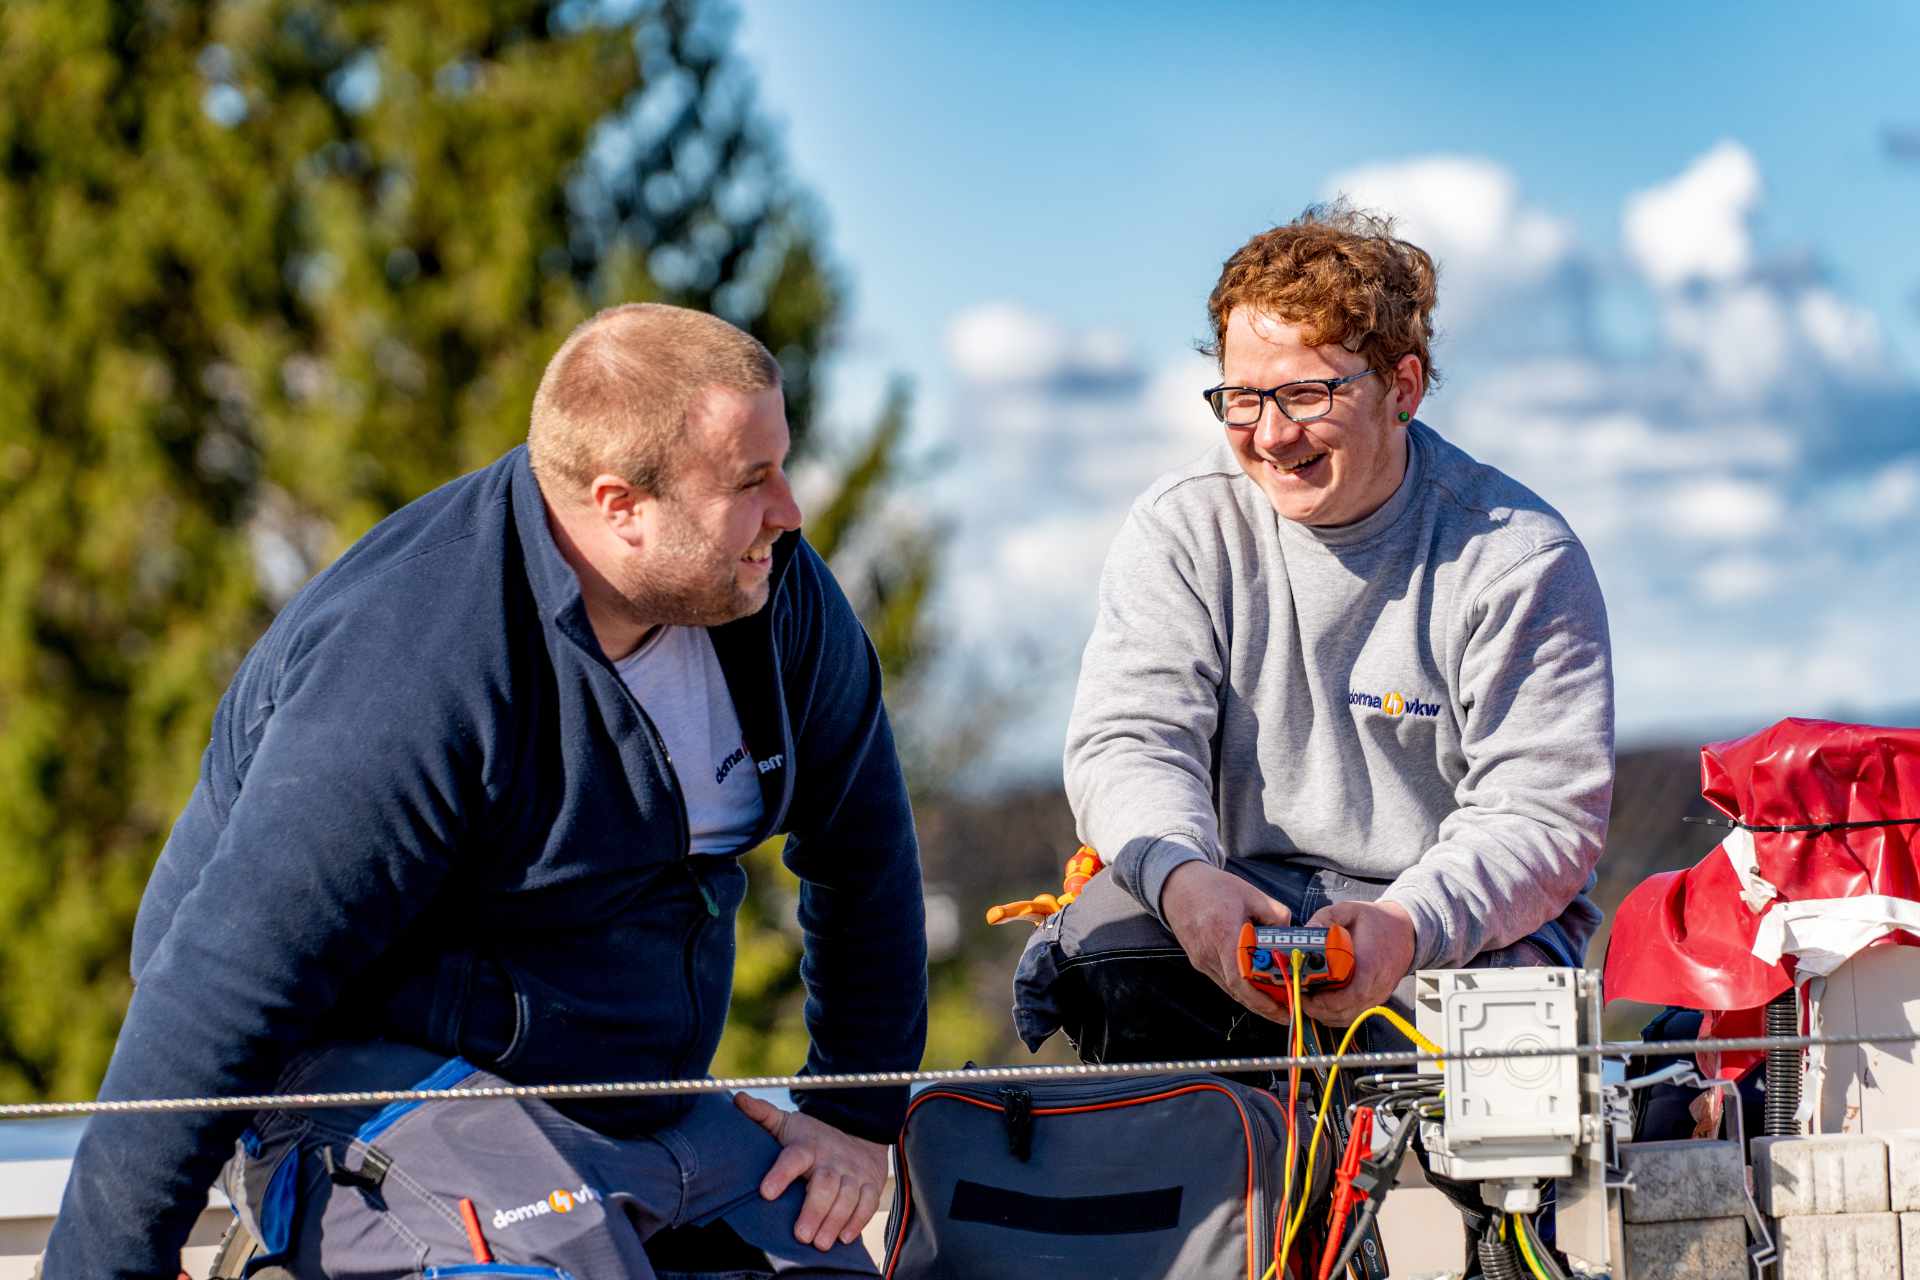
(615, 396)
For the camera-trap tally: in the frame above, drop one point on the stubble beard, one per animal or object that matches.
(689, 582)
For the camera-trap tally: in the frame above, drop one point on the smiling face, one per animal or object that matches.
(705, 553)
(1334, 470)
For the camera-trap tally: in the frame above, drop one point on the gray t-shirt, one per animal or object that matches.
(675, 676)
(1423, 697)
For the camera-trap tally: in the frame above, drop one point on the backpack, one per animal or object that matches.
(1168, 1176)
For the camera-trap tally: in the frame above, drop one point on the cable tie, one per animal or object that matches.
(1776, 828)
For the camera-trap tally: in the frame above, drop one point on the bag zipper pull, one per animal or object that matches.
(1018, 1116)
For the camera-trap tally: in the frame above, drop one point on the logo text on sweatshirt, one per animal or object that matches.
(1392, 703)
(726, 766)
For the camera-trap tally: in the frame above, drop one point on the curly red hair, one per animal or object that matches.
(1342, 276)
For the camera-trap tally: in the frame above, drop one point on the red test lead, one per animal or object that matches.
(1359, 1145)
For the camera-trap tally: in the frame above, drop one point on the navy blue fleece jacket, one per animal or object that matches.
(431, 811)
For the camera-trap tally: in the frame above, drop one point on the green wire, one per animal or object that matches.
(1526, 1248)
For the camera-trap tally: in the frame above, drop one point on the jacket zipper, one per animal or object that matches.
(688, 948)
(786, 740)
(684, 825)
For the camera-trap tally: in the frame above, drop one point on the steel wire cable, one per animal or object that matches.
(896, 1079)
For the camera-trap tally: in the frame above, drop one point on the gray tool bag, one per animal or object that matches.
(1167, 1176)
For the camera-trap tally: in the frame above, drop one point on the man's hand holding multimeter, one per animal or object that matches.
(1383, 939)
(1206, 908)
(1267, 952)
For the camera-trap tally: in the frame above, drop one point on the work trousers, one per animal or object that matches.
(373, 1193)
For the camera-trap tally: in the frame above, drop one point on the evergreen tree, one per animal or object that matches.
(276, 267)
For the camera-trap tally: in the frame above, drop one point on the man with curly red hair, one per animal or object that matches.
(1341, 673)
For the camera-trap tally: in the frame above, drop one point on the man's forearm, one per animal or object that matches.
(1143, 865)
(1139, 754)
(139, 1181)
(1532, 808)
(1490, 887)
(866, 975)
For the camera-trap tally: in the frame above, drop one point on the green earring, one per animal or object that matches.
(1404, 415)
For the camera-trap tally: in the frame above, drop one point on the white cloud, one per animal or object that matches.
(1745, 537)
(1048, 454)
(1754, 552)
(1167, 424)
(1003, 342)
(1847, 337)
(1466, 212)
(1750, 333)
(1887, 497)
(1105, 351)
(1694, 227)
(1626, 442)
(1742, 337)
(1554, 381)
(1058, 558)
(1605, 423)
(1737, 578)
(1895, 490)
(1723, 510)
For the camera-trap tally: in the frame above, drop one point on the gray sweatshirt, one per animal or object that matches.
(1424, 697)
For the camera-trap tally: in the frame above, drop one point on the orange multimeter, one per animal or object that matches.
(1266, 955)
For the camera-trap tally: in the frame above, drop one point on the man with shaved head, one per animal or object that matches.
(472, 813)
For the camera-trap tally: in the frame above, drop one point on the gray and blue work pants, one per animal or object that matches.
(374, 1193)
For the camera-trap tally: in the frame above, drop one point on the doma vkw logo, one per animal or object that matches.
(556, 1201)
(1392, 703)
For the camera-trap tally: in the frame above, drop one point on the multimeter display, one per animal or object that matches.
(1266, 954)
(1289, 936)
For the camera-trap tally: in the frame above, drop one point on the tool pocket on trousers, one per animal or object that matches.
(263, 1181)
(408, 1168)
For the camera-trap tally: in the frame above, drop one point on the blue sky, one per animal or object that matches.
(1680, 292)
(1107, 157)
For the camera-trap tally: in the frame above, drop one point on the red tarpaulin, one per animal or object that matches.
(1687, 937)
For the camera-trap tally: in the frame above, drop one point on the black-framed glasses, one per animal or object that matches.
(1300, 401)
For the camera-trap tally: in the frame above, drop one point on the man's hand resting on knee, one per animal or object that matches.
(1205, 907)
(844, 1174)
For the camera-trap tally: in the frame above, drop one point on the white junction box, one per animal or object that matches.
(1511, 1123)
(1504, 1117)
